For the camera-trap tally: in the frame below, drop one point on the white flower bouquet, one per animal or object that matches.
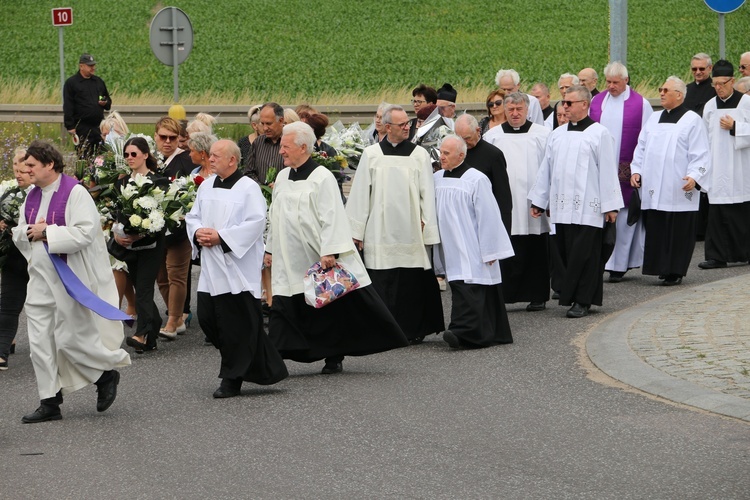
(139, 205)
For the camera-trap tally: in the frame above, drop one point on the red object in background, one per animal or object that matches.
(62, 16)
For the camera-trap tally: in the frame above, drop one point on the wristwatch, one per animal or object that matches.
(44, 233)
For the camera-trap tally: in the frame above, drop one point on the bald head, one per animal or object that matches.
(588, 78)
(467, 128)
(224, 158)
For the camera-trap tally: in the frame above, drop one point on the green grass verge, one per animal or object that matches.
(316, 51)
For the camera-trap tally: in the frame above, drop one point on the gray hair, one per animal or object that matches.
(459, 141)
(513, 74)
(517, 98)
(700, 56)
(202, 142)
(468, 120)
(582, 92)
(303, 134)
(574, 78)
(743, 84)
(21, 151)
(381, 108)
(681, 87)
(232, 149)
(389, 111)
(616, 69)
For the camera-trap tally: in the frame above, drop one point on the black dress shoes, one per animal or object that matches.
(578, 311)
(615, 276)
(106, 388)
(416, 340)
(48, 410)
(672, 280)
(536, 306)
(331, 368)
(451, 339)
(555, 295)
(229, 388)
(712, 264)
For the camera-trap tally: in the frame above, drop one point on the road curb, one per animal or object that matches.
(607, 346)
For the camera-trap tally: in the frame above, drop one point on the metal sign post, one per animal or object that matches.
(171, 37)
(61, 17)
(723, 7)
(618, 31)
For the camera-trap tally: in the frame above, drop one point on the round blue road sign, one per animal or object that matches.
(724, 6)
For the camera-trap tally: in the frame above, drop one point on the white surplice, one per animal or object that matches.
(391, 197)
(666, 153)
(71, 346)
(577, 179)
(308, 221)
(239, 215)
(523, 154)
(471, 229)
(730, 155)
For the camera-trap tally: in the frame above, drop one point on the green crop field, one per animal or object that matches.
(349, 51)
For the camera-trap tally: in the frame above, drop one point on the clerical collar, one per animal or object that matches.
(229, 182)
(581, 125)
(508, 129)
(731, 102)
(302, 172)
(403, 148)
(52, 186)
(457, 172)
(673, 115)
(707, 80)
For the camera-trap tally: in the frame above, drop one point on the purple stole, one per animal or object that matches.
(73, 285)
(632, 117)
(56, 211)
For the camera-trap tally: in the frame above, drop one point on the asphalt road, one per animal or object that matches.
(528, 420)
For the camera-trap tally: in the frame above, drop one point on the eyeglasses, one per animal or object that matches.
(743, 67)
(492, 104)
(167, 138)
(418, 101)
(720, 84)
(129, 155)
(698, 69)
(570, 103)
(399, 125)
(663, 90)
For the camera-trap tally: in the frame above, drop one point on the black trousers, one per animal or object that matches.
(13, 281)
(581, 252)
(234, 325)
(143, 266)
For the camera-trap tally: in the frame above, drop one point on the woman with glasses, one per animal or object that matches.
(144, 253)
(172, 278)
(495, 111)
(14, 275)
